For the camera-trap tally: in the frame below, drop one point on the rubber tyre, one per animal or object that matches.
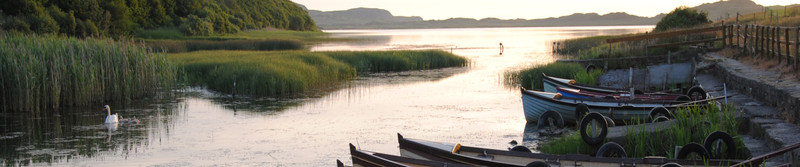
(537, 164)
(611, 148)
(660, 119)
(659, 111)
(683, 98)
(610, 121)
(550, 114)
(580, 111)
(590, 68)
(696, 90)
(671, 164)
(521, 149)
(593, 116)
(725, 137)
(692, 148)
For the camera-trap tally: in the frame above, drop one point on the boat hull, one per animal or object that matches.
(535, 103)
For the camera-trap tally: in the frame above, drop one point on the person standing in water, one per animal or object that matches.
(501, 48)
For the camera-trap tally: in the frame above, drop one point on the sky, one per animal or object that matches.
(514, 9)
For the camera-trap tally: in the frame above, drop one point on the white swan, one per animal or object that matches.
(115, 118)
(111, 119)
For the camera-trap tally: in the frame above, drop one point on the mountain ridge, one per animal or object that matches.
(373, 18)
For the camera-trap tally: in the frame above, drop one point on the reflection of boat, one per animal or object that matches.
(535, 103)
(366, 158)
(490, 157)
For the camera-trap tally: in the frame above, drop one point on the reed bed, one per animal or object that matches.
(692, 124)
(48, 72)
(531, 78)
(281, 73)
(178, 46)
(262, 73)
(388, 61)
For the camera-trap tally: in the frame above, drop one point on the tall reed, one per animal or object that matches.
(47, 72)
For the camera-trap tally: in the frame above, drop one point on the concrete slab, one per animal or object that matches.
(769, 104)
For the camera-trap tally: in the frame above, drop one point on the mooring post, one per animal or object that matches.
(669, 57)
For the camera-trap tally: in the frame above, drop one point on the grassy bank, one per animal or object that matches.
(47, 72)
(531, 78)
(690, 126)
(279, 73)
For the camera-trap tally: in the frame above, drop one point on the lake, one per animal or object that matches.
(196, 127)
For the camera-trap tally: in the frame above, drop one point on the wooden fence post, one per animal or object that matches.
(744, 41)
(724, 35)
(796, 47)
(788, 49)
(758, 43)
(778, 44)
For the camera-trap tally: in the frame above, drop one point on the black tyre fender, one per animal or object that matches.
(683, 98)
(590, 68)
(660, 119)
(580, 111)
(550, 114)
(537, 164)
(671, 164)
(656, 111)
(730, 146)
(521, 149)
(701, 93)
(611, 148)
(593, 116)
(692, 148)
(610, 121)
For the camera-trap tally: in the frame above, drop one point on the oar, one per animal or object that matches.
(698, 101)
(755, 161)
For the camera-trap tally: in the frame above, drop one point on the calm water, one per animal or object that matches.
(195, 127)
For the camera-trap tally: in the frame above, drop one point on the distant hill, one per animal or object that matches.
(380, 18)
(724, 9)
(358, 16)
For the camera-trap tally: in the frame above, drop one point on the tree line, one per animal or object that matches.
(125, 17)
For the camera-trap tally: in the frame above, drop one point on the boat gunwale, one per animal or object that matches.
(569, 157)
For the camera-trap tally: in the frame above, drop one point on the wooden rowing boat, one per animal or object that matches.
(476, 156)
(373, 159)
(536, 103)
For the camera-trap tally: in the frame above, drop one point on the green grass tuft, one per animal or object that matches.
(531, 78)
(688, 128)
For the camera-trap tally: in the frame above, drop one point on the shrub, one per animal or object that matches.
(682, 17)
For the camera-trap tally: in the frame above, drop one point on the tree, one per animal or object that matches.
(682, 17)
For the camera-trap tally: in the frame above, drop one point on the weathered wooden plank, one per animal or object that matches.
(664, 34)
(686, 43)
